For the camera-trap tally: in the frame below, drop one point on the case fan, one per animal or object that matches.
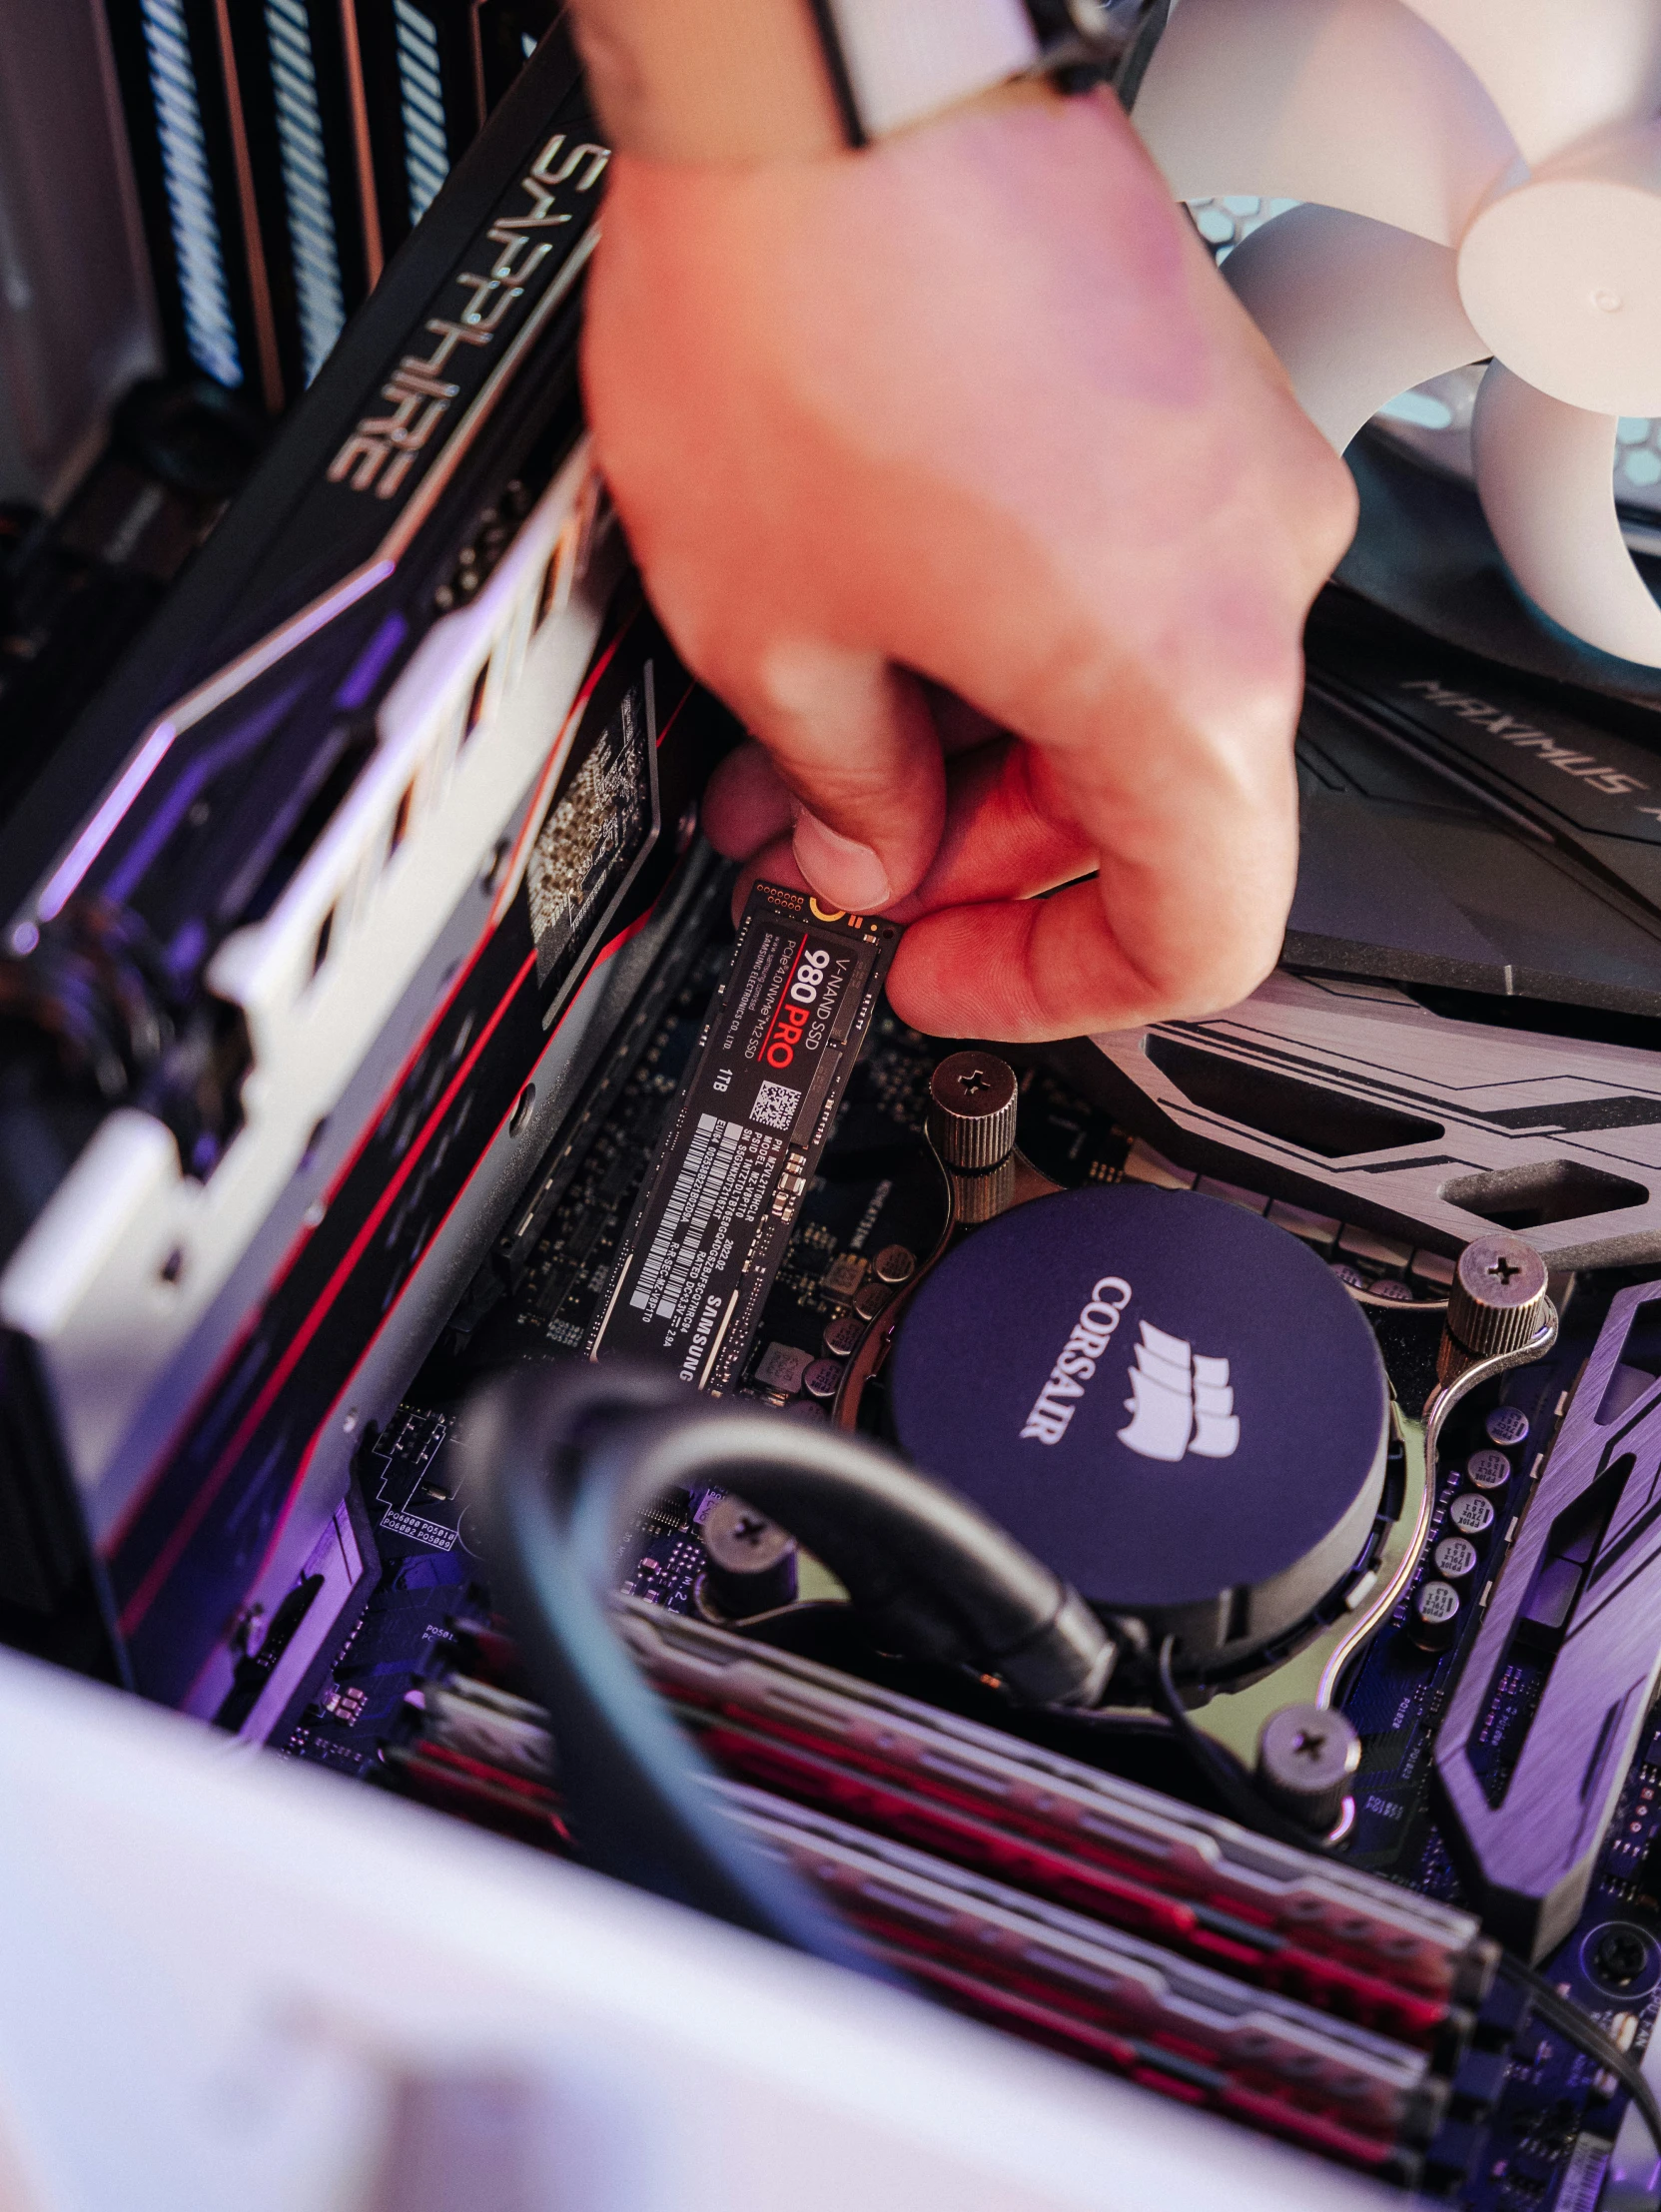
(1481, 180)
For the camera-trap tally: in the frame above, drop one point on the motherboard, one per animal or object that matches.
(426, 1697)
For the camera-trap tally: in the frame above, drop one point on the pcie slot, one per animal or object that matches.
(131, 1252)
(1421, 1960)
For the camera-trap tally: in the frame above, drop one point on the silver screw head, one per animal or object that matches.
(973, 1101)
(1307, 1754)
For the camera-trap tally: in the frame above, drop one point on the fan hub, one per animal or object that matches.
(1562, 279)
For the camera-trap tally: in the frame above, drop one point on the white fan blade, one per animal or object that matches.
(1356, 310)
(1559, 70)
(1546, 475)
(1356, 104)
(1563, 276)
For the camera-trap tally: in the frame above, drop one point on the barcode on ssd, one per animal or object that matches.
(679, 1218)
(775, 1107)
(725, 1175)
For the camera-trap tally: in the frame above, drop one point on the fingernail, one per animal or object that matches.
(848, 874)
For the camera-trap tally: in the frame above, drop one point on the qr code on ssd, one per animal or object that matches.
(775, 1107)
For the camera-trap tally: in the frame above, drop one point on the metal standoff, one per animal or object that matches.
(1307, 1757)
(750, 1562)
(973, 1099)
(1496, 1303)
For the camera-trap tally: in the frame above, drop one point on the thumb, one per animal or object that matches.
(855, 746)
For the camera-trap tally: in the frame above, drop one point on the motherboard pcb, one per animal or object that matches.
(539, 1294)
(874, 1210)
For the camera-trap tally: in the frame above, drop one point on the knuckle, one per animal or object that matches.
(1327, 504)
(1234, 963)
(1205, 970)
(1236, 971)
(816, 688)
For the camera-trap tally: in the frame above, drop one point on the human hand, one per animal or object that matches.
(973, 408)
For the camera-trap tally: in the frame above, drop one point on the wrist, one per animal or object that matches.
(709, 80)
(753, 82)
(905, 62)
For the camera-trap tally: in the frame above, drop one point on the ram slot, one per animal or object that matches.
(1336, 1938)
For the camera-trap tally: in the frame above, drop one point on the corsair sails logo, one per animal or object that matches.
(1181, 1403)
(1056, 1403)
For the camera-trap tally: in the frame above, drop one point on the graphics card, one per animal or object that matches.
(388, 817)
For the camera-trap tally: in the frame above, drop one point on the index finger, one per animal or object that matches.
(1195, 834)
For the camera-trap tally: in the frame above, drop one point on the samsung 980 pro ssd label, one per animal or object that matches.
(712, 1229)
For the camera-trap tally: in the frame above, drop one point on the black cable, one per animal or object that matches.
(566, 1459)
(1107, 1721)
(637, 1792)
(1244, 1801)
(1584, 2033)
(929, 1573)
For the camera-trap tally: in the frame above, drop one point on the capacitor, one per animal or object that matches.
(749, 1562)
(872, 1300)
(843, 1335)
(1455, 1559)
(1506, 1424)
(1471, 1514)
(1489, 1470)
(823, 1380)
(1307, 1756)
(895, 1263)
(1435, 1620)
